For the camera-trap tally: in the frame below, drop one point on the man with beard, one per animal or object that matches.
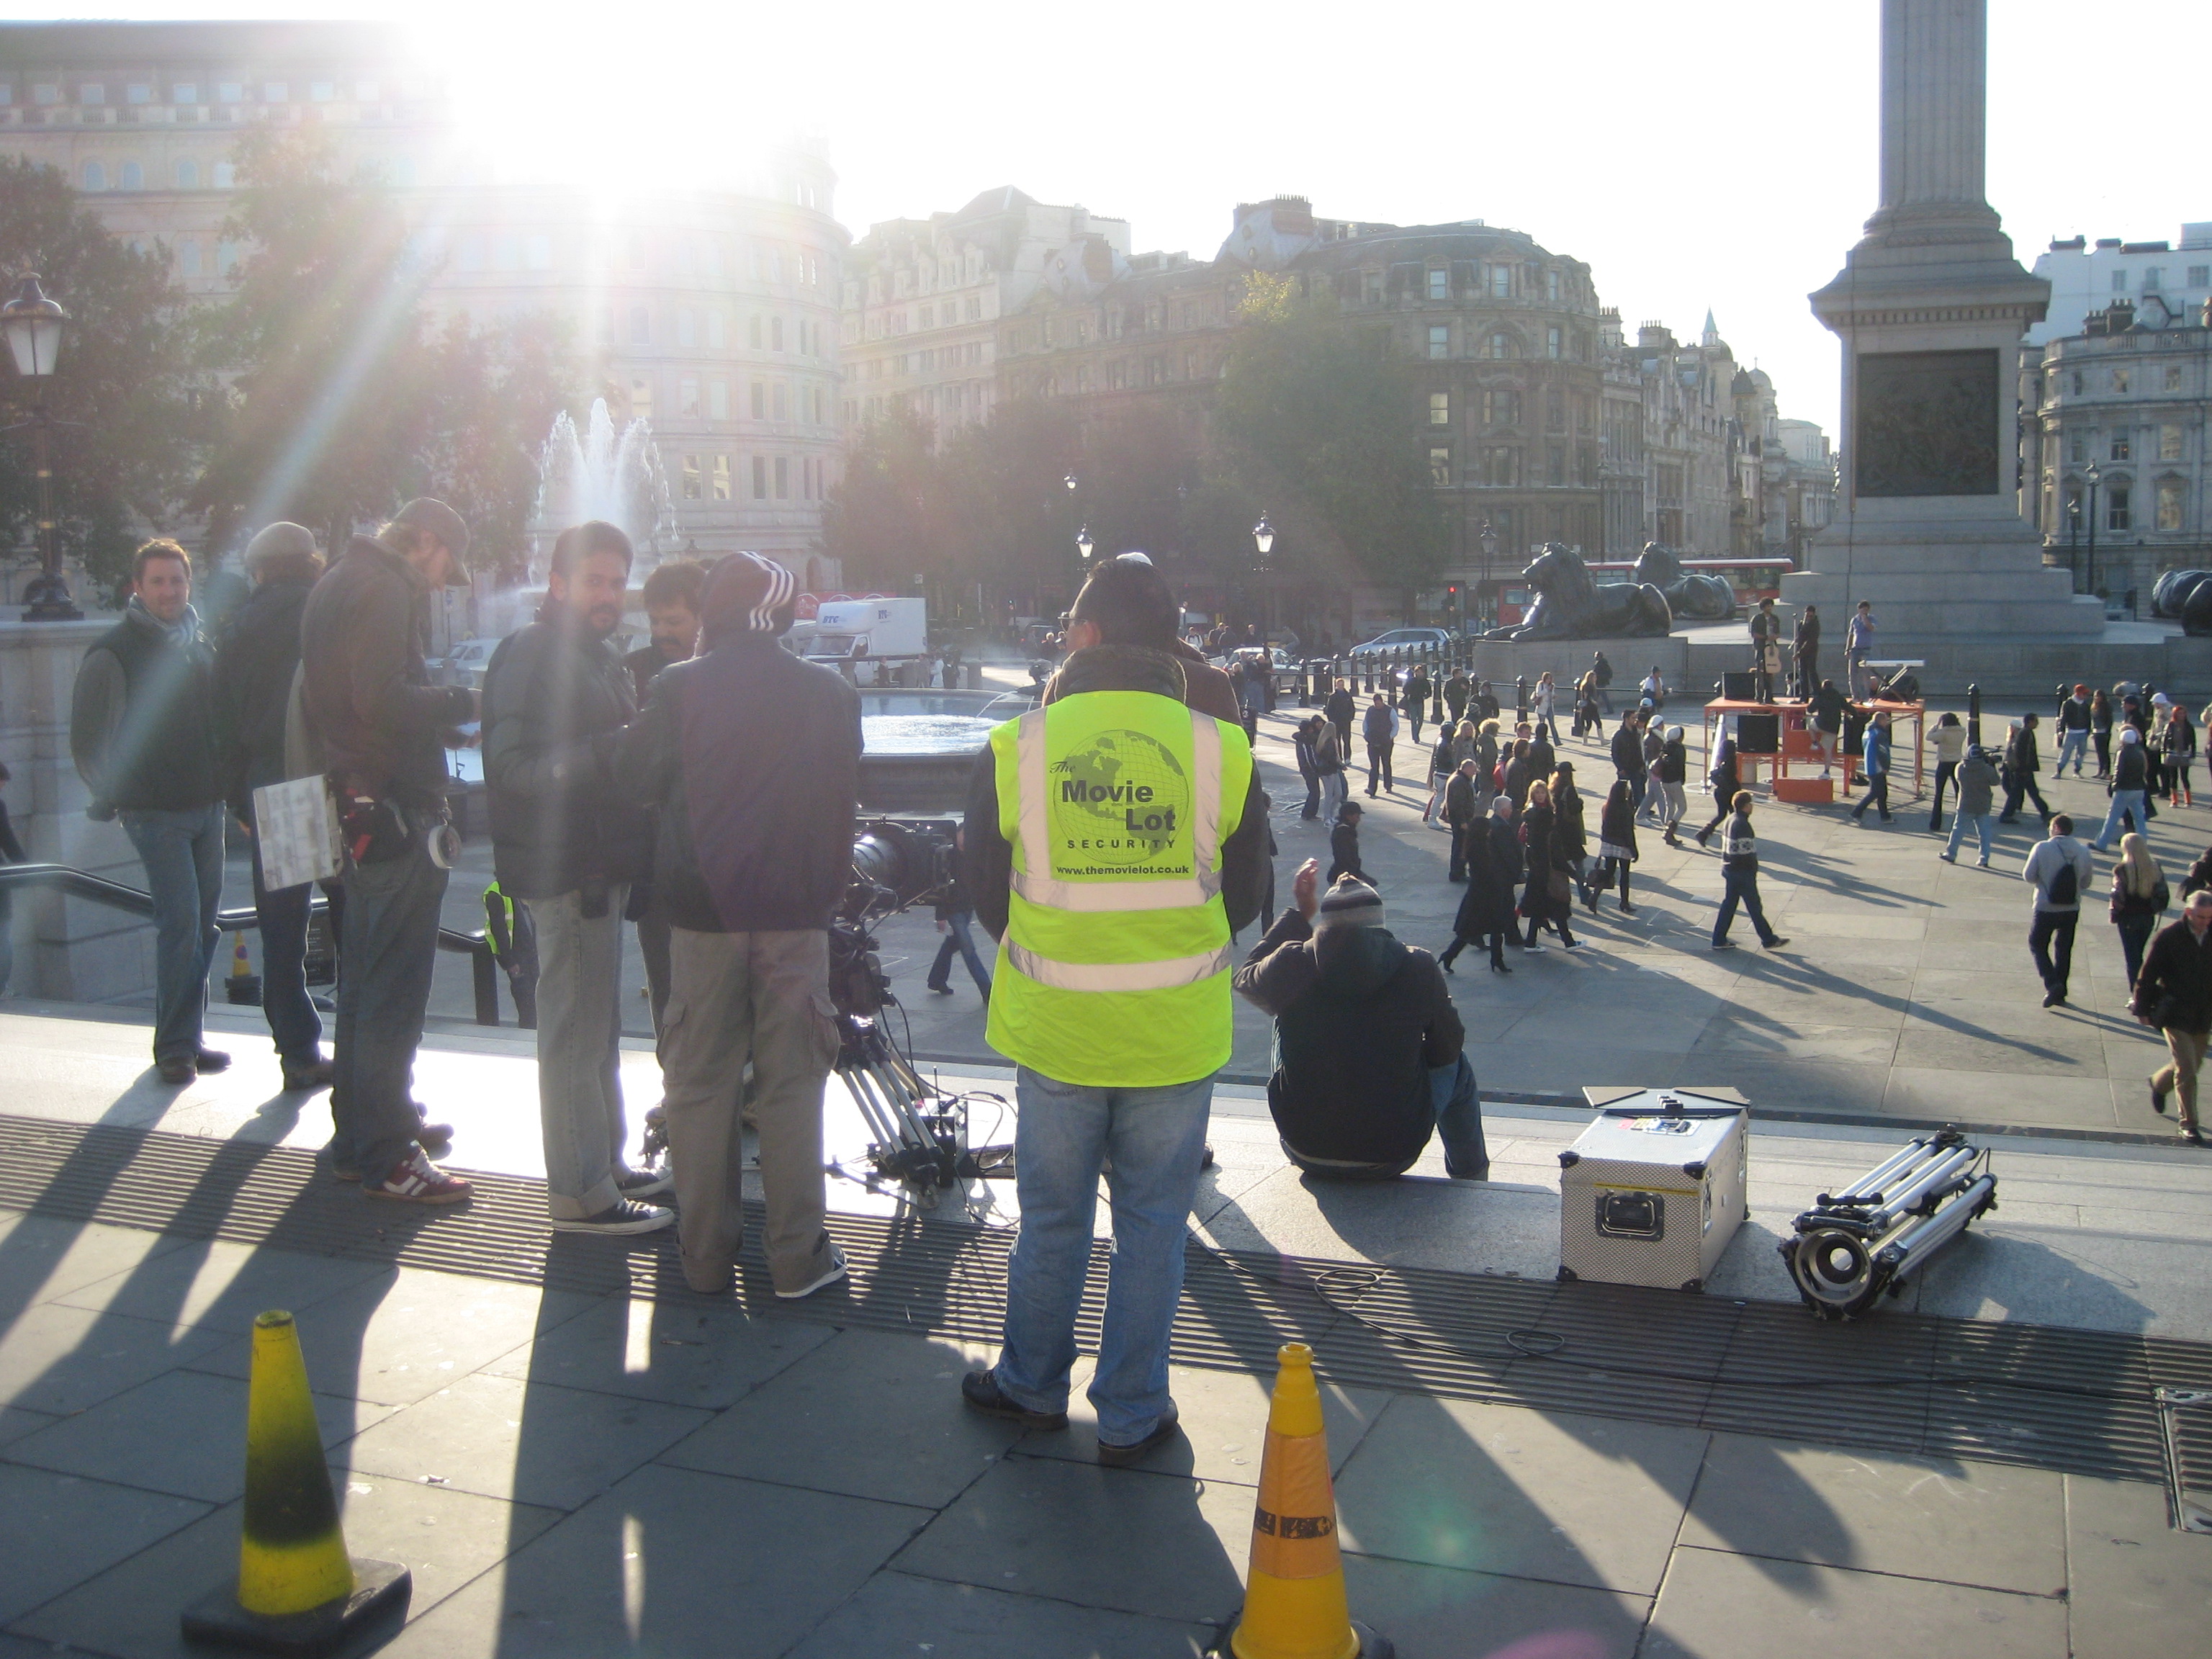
(556, 699)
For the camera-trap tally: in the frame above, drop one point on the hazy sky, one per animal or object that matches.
(1699, 153)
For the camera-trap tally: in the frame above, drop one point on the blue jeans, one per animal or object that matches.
(390, 946)
(959, 940)
(294, 1024)
(182, 852)
(2125, 803)
(1063, 1132)
(1959, 823)
(2075, 743)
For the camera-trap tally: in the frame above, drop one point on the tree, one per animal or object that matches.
(345, 402)
(881, 521)
(1316, 420)
(125, 400)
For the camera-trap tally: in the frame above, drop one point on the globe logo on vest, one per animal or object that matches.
(1122, 799)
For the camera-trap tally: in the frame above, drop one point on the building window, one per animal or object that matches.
(1501, 281)
(2119, 281)
(2173, 377)
(230, 92)
(138, 93)
(2153, 276)
(776, 334)
(1501, 409)
(760, 478)
(1552, 291)
(1502, 467)
(2169, 442)
(782, 478)
(321, 92)
(2077, 382)
(691, 490)
(188, 259)
(687, 397)
(1440, 471)
(715, 330)
(275, 92)
(185, 91)
(641, 320)
(45, 93)
(1555, 410)
(537, 254)
(2120, 446)
(779, 401)
(721, 477)
(2170, 502)
(131, 176)
(1082, 378)
(640, 397)
(507, 253)
(1555, 464)
(2123, 379)
(1555, 343)
(1440, 409)
(188, 175)
(759, 401)
(95, 176)
(1439, 340)
(2117, 516)
(2077, 447)
(718, 400)
(753, 332)
(687, 326)
(1504, 345)
(365, 92)
(470, 256)
(92, 92)
(1439, 282)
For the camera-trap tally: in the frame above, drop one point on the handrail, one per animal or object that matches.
(116, 896)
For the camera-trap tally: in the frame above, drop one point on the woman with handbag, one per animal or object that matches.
(1616, 847)
(2139, 899)
(1548, 898)
(1486, 910)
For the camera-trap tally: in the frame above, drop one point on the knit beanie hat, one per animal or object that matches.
(278, 541)
(746, 593)
(1350, 903)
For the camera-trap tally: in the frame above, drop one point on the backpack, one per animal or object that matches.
(2066, 886)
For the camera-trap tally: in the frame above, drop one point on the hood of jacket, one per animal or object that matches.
(1356, 963)
(1117, 668)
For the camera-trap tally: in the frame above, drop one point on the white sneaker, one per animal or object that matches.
(621, 1216)
(1576, 944)
(1536, 949)
(834, 1272)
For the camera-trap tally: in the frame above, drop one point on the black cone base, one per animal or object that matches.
(380, 1588)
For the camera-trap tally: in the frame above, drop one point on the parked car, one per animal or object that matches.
(465, 663)
(1285, 668)
(1402, 639)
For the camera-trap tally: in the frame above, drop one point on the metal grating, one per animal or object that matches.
(2080, 1401)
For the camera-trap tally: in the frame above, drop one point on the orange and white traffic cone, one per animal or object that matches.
(1294, 1601)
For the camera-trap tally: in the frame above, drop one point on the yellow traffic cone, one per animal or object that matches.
(297, 1591)
(1294, 1604)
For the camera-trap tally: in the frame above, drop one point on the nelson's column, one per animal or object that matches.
(1930, 307)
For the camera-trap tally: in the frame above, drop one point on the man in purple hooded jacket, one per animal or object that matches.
(753, 758)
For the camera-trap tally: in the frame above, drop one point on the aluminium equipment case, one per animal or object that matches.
(1651, 1192)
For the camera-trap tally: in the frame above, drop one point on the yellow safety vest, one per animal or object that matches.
(1114, 972)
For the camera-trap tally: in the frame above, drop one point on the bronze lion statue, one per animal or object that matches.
(1572, 605)
(1692, 596)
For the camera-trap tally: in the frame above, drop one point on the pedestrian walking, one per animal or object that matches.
(366, 698)
(1484, 705)
(1655, 688)
(1379, 728)
(2173, 995)
(1341, 706)
(143, 735)
(1443, 765)
(1654, 737)
(256, 659)
(565, 845)
(2021, 764)
(2059, 870)
(1547, 699)
(2139, 899)
(1947, 742)
(1567, 822)
(1486, 910)
(1826, 706)
(1601, 679)
(1616, 848)
(956, 917)
(1457, 691)
(2073, 727)
(1723, 781)
(1483, 748)
(2129, 789)
(1302, 750)
(1876, 760)
(1344, 845)
(2177, 744)
(1858, 646)
(1740, 879)
(1627, 751)
(1462, 815)
(1978, 783)
(1672, 776)
(1328, 765)
(1516, 775)
(2101, 730)
(1804, 653)
(1414, 699)
(1547, 900)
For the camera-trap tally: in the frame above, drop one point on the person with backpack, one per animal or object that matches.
(2060, 870)
(2139, 899)
(2021, 763)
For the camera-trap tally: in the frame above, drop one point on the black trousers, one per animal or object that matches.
(2053, 928)
(1947, 771)
(2018, 787)
(1740, 887)
(1877, 797)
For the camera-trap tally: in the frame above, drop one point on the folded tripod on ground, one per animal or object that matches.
(1852, 1246)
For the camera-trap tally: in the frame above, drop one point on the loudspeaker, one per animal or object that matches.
(1739, 687)
(1855, 726)
(1758, 734)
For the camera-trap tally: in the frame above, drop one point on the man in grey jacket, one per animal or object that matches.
(142, 732)
(2061, 871)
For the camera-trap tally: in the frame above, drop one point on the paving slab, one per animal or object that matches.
(1719, 1605)
(920, 1445)
(685, 1353)
(447, 1538)
(897, 1612)
(1442, 1612)
(42, 1257)
(407, 1333)
(16, 1422)
(66, 1359)
(670, 1562)
(220, 1286)
(1123, 1539)
(1990, 1524)
(182, 1432)
(2140, 1588)
(532, 1443)
(1555, 1496)
(57, 1529)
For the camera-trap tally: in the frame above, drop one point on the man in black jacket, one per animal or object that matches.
(1371, 1054)
(671, 595)
(142, 732)
(366, 700)
(255, 660)
(555, 701)
(752, 758)
(2174, 993)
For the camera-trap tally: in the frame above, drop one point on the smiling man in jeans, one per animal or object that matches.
(1114, 838)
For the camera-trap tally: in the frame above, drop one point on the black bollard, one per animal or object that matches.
(1974, 715)
(1520, 696)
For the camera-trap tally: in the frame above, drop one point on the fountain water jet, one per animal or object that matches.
(600, 473)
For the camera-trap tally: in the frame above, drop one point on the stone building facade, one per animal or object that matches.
(2130, 396)
(714, 314)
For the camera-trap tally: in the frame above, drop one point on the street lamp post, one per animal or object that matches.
(32, 324)
(2091, 476)
(2074, 538)
(1263, 539)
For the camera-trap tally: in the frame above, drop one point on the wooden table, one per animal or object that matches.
(1797, 744)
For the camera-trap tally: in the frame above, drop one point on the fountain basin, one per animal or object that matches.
(919, 748)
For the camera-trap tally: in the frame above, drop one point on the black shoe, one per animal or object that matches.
(2054, 998)
(1723, 945)
(942, 990)
(434, 1137)
(1120, 1457)
(979, 1392)
(1444, 962)
(2158, 1100)
(210, 1059)
(1499, 968)
(305, 1079)
(620, 1218)
(176, 1071)
(1777, 942)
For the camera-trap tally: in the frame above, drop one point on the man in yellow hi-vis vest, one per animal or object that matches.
(1114, 838)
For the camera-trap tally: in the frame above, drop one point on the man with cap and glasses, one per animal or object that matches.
(367, 702)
